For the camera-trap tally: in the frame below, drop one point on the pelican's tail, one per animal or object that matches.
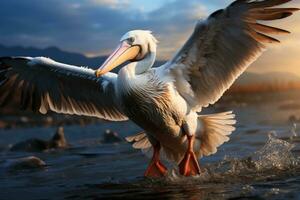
(139, 141)
(215, 130)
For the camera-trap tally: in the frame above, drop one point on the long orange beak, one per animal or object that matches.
(124, 52)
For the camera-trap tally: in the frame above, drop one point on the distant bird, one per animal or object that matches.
(111, 137)
(164, 101)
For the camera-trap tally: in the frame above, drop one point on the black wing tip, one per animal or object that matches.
(262, 3)
(9, 58)
(294, 9)
(12, 58)
(3, 63)
(267, 3)
(286, 31)
(286, 14)
(236, 2)
(216, 13)
(5, 58)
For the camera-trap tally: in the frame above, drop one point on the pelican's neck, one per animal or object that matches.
(129, 73)
(138, 67)
(145, 64)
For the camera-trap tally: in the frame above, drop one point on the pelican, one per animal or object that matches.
(164, 101)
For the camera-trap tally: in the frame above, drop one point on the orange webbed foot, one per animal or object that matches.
(156, 170)
(189, 165)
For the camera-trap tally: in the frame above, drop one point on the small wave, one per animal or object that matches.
(231, 177)
(275, 154)
(274, 161)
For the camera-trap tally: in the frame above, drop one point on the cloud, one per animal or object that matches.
(94, 27)
(115, 4)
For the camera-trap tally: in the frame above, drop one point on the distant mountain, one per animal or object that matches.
(55, 53)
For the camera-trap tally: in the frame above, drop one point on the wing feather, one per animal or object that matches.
(46, 85)
(267, 29)
(222, 47)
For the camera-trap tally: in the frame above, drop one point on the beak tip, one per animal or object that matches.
(98, 73)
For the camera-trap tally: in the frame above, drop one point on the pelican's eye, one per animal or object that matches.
(131, 40)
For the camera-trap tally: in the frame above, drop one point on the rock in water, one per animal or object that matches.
(30, 162)
(58, 141)
(30, 145)
(111, 137)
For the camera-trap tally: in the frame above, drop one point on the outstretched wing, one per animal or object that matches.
(222, 47)
(48, 85)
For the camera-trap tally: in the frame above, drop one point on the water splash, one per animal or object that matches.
(273, 160)
(293, 132)
(275, 154)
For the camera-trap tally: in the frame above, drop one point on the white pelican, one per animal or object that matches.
(164, 101)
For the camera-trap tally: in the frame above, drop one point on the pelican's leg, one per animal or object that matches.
(189, 165)
(155, 168)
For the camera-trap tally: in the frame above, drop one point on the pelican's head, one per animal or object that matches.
(134, 46)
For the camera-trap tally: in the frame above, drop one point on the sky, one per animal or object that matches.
(94, 27)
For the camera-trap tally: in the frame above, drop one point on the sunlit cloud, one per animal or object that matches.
(115, 4)
(94, 27)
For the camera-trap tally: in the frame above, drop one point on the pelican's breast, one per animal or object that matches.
(147, 101)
